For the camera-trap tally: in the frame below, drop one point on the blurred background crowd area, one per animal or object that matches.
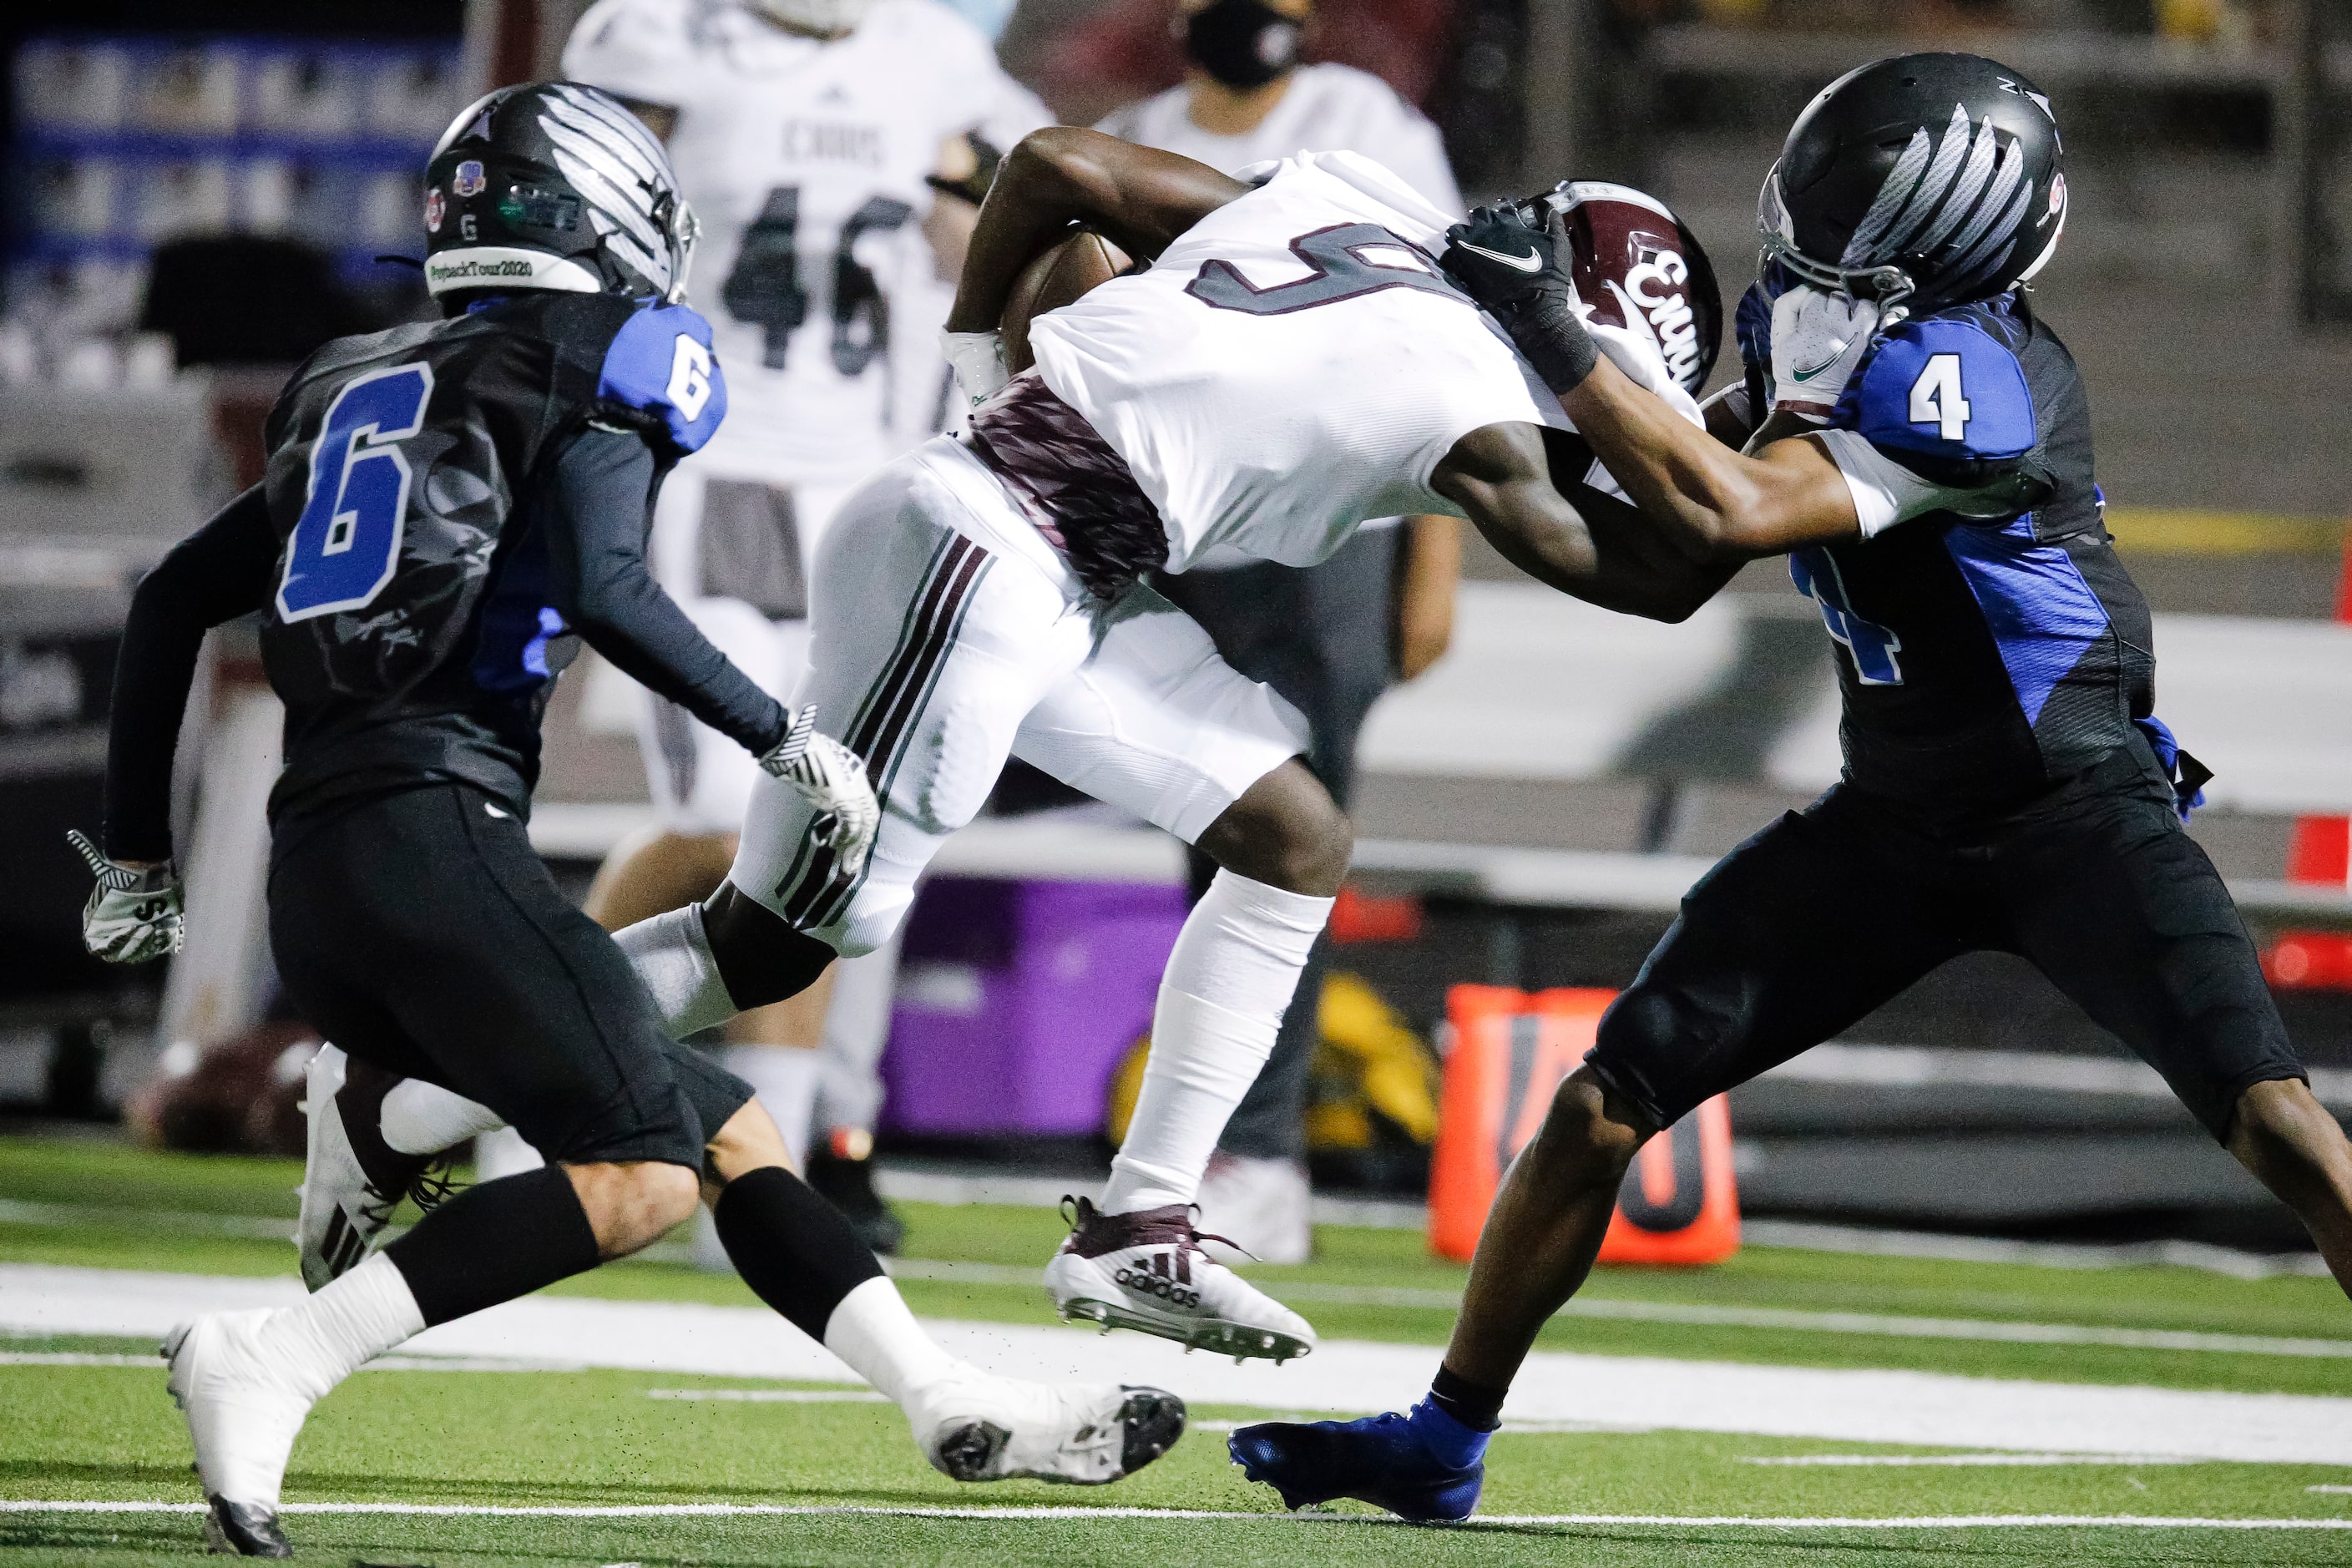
(198, 193)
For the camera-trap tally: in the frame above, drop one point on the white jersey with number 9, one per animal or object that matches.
(805, 162)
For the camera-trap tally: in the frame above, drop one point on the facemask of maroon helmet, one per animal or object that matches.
(1635, 266)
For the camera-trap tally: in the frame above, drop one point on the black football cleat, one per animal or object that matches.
(1379, 1460)
(244, 1529)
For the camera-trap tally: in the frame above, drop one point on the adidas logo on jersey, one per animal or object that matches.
(1170, 1282)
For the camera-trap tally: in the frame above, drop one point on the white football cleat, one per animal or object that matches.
(243, 1415)
(1146, 1271)
(353, 1180)
(974, 1426)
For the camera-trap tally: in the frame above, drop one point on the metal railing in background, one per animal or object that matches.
(1603, 97)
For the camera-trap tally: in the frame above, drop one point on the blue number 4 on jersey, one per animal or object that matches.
(1942, 387)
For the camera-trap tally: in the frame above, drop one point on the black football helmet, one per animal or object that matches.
(554, 186)
(1922, 182)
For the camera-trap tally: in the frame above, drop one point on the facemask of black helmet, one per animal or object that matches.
(1242, 42)
(1921, 182)
(554, 186)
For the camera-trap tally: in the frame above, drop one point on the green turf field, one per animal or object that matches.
(478, 1440)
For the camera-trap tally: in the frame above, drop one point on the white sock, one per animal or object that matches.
(502, 1152)
(353, 1320)
(420, 1118)
(874, 1332)
(784, 1077)
(1233, 972)
(672, 956)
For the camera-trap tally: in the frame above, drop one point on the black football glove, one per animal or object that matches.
(1511, 266)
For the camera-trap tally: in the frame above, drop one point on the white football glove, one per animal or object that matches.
(832, 779)
(978, 361)
(1818, 342)
(135, 913)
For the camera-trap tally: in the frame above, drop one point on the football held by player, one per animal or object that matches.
(1916, 440)
(448, 507)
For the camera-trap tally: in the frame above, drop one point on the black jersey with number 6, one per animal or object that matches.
(1982, 658)
(410, 628)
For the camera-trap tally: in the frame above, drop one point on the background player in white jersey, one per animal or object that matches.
(1332, 637)
(803, 132)
(1289, 364)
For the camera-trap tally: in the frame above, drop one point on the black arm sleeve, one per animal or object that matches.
(217, 574)
(595, 523)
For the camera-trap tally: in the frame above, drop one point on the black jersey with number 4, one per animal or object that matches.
(410, 629)
(1982, 658)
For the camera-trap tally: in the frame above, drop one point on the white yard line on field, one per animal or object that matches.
(1044, 1512)
(1708, 1315)
(776, 1395)
(1964, 1460)
(1908, 1409)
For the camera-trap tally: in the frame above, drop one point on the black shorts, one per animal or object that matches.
(1829, 912)
(421, 932)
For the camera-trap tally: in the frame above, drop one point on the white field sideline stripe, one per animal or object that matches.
(151, 1362)
(1040, 1512)
(1899, 1461)
(774, 1395)
(1698, 1314)
(1844, 1406)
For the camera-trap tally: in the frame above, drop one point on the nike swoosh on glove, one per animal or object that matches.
(1511, 266)
(832, 779)
(1819, 340)
(135, 913)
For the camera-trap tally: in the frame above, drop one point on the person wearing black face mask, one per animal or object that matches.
(1243, 45)
(1330, 638)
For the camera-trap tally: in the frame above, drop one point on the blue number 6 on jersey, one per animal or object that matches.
(342, 549)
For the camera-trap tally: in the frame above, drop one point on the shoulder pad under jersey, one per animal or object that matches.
(1941, 387)
(660, 367)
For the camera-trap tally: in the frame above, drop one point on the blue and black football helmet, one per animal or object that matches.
(1923, 182)
(554, 186)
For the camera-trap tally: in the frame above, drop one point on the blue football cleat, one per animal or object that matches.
(1390, 1461)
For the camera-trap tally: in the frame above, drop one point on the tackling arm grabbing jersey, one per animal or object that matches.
(1506, 477)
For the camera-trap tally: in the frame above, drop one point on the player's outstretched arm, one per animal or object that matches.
(1712, 502)
(1139, 197)
(1716, 504)
(218, 572)
(1510, 479)
(603, 589)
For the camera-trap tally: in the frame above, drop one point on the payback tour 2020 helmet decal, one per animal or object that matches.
(1922, 182)
(554, 186)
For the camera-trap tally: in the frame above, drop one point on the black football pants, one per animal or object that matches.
(1829, 912)
(420, 932)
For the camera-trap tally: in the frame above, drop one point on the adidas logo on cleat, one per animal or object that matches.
(1171, 1286)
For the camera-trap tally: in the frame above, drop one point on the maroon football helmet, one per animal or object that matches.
(1636, 266)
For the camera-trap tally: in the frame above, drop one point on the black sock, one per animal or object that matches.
(792, 1247)
(1476, 1406)
(495, 1242)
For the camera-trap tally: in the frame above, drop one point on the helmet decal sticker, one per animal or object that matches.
(468, 181)
(433, 210)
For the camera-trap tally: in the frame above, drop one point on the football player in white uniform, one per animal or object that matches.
(803, 132)
(1290, 363)
(1332, 637)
